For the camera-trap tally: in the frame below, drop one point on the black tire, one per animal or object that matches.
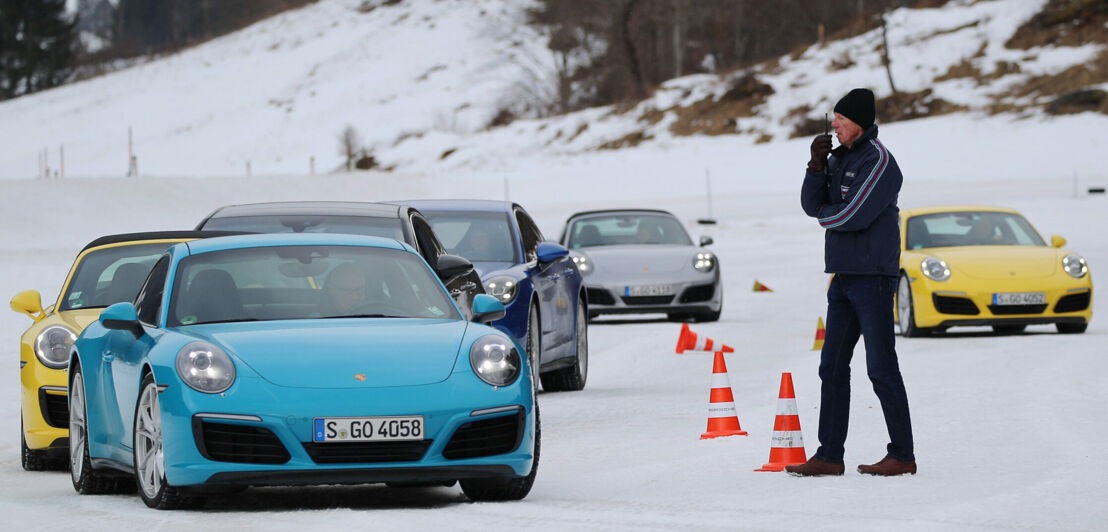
(505, 489)
(1008, 329)
(40, 460)
(86, 480)
(572, 378)
(1071, 328)
(906, 313)
(533, 343)
(157, 493)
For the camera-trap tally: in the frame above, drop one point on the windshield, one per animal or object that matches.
(302, 223)
(477, 236)
(111, 275)
(949, 229)
(305, 282)
(621, 229)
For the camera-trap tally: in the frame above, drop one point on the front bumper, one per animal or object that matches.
(688, 296)
(257, 418)
(942, 305)
(45, 406)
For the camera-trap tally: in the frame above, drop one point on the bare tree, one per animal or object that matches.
(350, 146)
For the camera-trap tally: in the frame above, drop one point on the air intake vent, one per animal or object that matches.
(1073, 302)
(1005, 310)
(225, 442)
(55, 408)
(486, 437)
(599, 296)
(955, 305)
(367, 452)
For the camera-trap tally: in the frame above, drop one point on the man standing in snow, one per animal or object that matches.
(853, 195)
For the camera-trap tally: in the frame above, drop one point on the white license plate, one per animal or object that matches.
(1020, 298)
(649, 290)
(382, 428)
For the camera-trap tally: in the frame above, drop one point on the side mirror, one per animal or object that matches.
(28, 302)
(122, 317)
(550, 252)
(486, 309)
(1057, 241)
(706, 241)
(450, 266)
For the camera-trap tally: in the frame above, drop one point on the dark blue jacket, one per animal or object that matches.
(856, 202)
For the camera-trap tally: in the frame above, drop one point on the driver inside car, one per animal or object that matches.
(343, 291)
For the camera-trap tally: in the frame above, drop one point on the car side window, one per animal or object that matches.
(149, 298)
(530, 234)
(428, 243)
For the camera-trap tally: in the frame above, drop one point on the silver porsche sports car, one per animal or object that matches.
(641, 261)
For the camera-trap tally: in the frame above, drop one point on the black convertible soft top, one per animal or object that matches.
(157, 235)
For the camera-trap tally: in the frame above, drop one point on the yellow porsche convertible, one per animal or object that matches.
(108, 270)
(972, 265)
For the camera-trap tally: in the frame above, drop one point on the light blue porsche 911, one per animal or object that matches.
(298, 359)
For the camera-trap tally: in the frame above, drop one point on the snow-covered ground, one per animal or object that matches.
(1006, 427)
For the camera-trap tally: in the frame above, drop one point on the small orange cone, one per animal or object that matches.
(722, 418)
(759, 287)
(787, 444)
(689, 340)
(821, 333)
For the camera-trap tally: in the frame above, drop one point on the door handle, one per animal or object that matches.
(554, 277)
(108, 356)
(568, 271)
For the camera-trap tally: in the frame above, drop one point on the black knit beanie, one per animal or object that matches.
(858, 106)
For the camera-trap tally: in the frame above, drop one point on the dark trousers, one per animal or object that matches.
(861, 305)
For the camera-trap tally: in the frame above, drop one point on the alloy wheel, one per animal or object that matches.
(149, 458)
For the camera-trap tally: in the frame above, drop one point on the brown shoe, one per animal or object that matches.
(815, 467)
(888, 467)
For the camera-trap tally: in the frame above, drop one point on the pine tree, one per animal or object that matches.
(36, 45)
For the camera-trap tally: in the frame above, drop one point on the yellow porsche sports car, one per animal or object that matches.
(108, 270)
(971, 265)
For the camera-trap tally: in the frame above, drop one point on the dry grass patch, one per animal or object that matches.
(1064, 23)
(720, 117)
(629, 140)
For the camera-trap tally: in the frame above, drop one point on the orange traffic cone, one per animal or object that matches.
(787, 444)
(722, 418)
(759, 287)
(689, 340)
(821, 333)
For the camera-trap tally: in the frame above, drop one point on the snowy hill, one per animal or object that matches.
(420, 81)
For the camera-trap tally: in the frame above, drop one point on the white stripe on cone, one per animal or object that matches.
(726, 409)
(787, 438)
(703, 343)
(720, 380)
(786, 407)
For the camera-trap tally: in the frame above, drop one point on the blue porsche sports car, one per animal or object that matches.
(539, 284)
(298, 359)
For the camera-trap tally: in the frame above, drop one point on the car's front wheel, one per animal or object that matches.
(534, 344)
(505, 489)
(149, 456)
(905, 310)
(39, 460)
(572, 378)
(86, 480)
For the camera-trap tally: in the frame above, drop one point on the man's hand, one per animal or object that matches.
(821, 148)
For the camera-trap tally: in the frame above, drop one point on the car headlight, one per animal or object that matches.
(205, 367)
(704, 262)
(53, 345)
(1075, 265)
(935, 269)
(583, 264)
(503, 288)
(495, 360)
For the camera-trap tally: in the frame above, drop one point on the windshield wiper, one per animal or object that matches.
(362, 316)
